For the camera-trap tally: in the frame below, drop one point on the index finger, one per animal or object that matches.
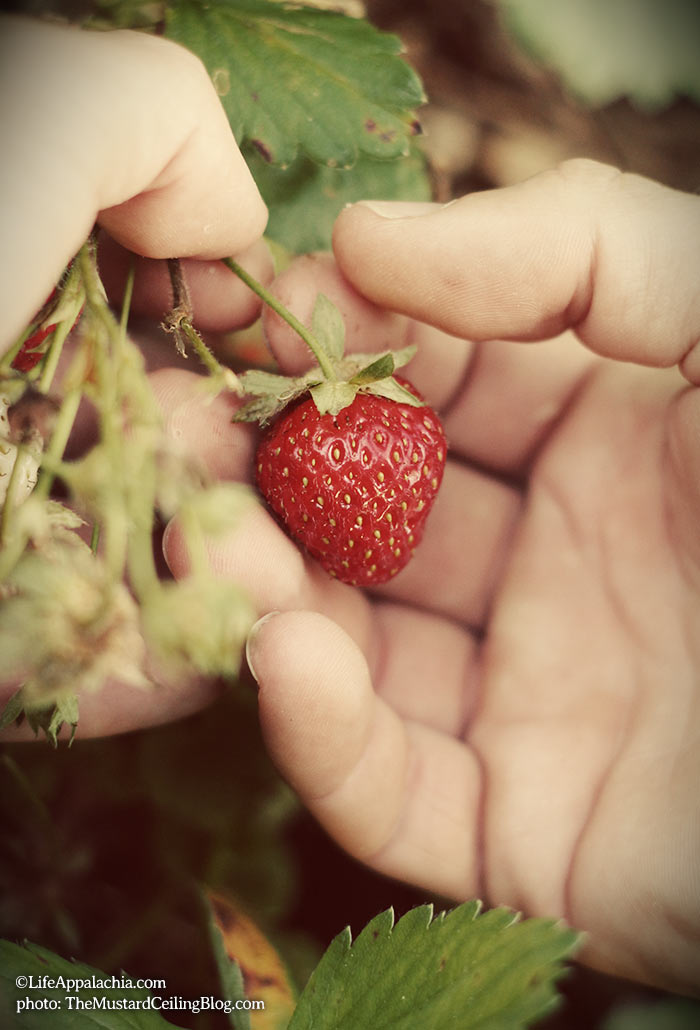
(121, 123)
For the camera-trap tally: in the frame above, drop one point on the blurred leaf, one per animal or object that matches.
(305, 199)
(242, 950)
(31, 960)
(489, 971)
(230, 975)
(606, 49)
(291, 77)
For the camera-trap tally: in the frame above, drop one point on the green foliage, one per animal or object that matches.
(606, 49)
(293, 77)
(322, 104)
(33, 961)
(489, 971)
(305, 198)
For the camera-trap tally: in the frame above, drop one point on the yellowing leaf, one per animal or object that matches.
(264, 975)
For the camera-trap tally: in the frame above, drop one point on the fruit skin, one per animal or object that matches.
(31, 351)
(354, 489)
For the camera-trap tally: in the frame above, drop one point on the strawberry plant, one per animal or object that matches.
(355, 489)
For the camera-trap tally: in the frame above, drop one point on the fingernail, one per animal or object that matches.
(252, 637)
(398, 208)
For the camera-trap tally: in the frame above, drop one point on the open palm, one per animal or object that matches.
(516, 715)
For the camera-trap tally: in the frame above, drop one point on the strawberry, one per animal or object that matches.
(353, 458)
(354, 488)
(62, 304)
(31, 351)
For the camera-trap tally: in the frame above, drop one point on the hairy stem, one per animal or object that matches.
(291, 320)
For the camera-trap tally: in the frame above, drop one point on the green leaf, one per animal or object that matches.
(12, 710)
(331, 397)
(489, 971)
(394, 391)
(607, 49)
(355, 363)
(328, 327)
(50, 720)
(306, 198)
(292, 77)
(97, 993)
(272, 393)
(379, 369)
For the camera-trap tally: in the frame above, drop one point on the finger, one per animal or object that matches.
(275, 574)
(425, 667)
(220, 300)
(398, 796)
(615, 256)
(438, 368)
(367, 327)
(498, 401)
(512, 398)
(457, 567)
(121, 123)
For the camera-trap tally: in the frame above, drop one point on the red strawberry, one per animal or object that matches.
(58, 306)
(31, 351)
(354, 488)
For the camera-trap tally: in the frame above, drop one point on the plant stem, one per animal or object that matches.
(291, 320)
(58, 442)
(54, 352)
(11, 493)
(179, 323)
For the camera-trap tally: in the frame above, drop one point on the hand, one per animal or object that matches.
(517, 714)
(126, 129)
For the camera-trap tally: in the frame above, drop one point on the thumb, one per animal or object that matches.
(400, 797)
(613, 255)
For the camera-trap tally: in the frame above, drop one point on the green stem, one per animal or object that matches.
(179, 323)
(8, 507)
(58, 441)
(141, 497)
(291, 320)
(126, 301)
(54, 352)
(10, 355)
(204, 353)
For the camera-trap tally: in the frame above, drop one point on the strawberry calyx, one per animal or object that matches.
(335, 380)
